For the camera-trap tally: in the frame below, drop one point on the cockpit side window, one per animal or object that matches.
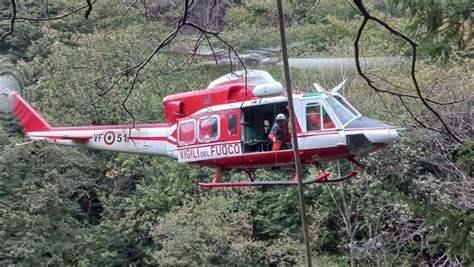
(327, 122)
(313, 117)
(343, 111)
(346, 105)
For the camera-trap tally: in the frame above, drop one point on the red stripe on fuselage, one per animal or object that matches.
(366, 129)
(276, 158)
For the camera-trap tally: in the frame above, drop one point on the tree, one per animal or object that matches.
(440, 24)
(47, 212)
(411, 205)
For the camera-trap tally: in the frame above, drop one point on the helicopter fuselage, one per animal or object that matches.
(227, 125)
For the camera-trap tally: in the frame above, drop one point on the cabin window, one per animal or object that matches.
(313, 117)
(209, 128)
(187, 132)
(232, 124)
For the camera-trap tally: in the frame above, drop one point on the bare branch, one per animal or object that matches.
(190, 59)
(12, 21)
(212, 49)
(124, 13)
(145, 7)
(366, 18)
(415, 118)
(74, 11)
(305, 12)
(135, 77)
(88, 10)
(413, 96)
(182, 22)
(216, 34)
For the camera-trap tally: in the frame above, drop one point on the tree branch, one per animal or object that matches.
(12, 21)
(366, 18)
(413, 96)
(183, 21)
(88, 10)
(14, 17)
(74, 11)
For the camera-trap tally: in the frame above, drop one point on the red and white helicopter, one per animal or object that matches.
(226, 125)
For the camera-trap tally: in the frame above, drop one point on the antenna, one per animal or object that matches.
(343, 77)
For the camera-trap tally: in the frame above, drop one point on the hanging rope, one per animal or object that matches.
(293, 133)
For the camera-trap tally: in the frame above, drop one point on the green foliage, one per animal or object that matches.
(215, 230)
(452, 232)
(271, 217)
(450, 229)
(64, 206)
(33, 38)
(465, 157)
(441, 24)
(46, 211)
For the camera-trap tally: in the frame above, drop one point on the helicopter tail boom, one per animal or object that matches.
(154, 139)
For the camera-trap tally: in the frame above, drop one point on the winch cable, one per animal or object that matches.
(293, 133)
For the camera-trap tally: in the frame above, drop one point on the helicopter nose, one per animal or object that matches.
(385, 136)
(365, 135)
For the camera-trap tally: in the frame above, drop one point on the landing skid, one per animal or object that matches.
(264, 183)
(359, 167)
(323, 177)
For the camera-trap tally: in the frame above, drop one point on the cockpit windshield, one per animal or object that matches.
(342, 109)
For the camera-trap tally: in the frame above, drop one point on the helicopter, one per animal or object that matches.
(226, 125)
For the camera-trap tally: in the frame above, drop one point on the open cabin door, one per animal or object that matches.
(256, 122)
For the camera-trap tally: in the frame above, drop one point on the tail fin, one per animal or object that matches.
(29, 118)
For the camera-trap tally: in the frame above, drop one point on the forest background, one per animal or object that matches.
(66, 206)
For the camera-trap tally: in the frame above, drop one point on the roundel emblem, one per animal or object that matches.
(109, 138)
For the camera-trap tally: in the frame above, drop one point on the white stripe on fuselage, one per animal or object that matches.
(119, 140)
(244, 104)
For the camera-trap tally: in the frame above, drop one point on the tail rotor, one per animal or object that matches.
(9, 85)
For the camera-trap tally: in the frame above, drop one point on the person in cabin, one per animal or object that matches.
(327, 122)
(280, 134)
(314, 120)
